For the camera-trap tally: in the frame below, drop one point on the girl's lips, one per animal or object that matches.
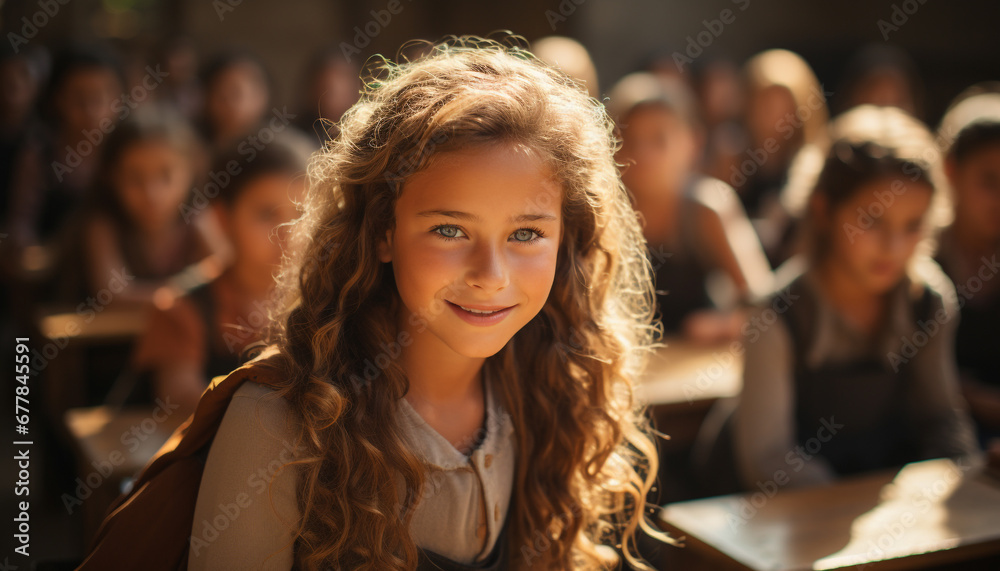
(481, 319)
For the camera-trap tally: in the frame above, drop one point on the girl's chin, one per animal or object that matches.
(882, 283)
(476, 350)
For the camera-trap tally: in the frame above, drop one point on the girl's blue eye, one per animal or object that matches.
(524, 235)
(447, 232)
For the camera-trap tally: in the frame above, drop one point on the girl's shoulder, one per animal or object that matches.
(249, 469)
(930, 290)
(261, 411)
(256, 408)
(711, 193)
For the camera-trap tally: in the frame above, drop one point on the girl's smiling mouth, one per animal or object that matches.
(482, 315)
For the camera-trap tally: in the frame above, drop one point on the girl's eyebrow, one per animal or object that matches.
(474, 218)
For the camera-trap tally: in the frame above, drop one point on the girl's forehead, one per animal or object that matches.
(493, 177)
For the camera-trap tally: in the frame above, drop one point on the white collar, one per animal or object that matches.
(436, 450)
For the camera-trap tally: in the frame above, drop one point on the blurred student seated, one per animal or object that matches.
(238, 107)
(704, 253)
(850, 367)
(330, 87)
(970, 247)
(785, 117)
(204, 332)
(143, 228)
(54, 167)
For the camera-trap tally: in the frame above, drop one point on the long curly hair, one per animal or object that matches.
(586, 454)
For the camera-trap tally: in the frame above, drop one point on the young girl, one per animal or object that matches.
(237, 95)
(850, 368)
(969, 248)
(138, 228)
(203, 333)
(329, 88)
(467, 305)
(695, 225)
(57, 167)
(785, 116)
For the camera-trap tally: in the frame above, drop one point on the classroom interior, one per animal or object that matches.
(746, 127)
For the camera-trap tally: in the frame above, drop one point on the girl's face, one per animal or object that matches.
(768, 113)
(336, 89)
(976, 181)
(659, 149)
(874, 248)
(152, 178)
(85, 99)
(478, 228)
(885, 87)
(237, 99)
(263, 204)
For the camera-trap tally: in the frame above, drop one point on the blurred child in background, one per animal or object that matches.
(144, 223)
(55, 171)
(694, 224)
(571, 57)
(969, 250)
(237, 96)
(785, 114)
(881, 74)
(180, 89)
(332, 84)
(721, 92)
(856, 354)
(203, 333)
(19, 86)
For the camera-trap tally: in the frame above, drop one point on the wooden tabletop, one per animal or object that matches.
(124, 440)
(686, 373)
(928, 513)
(86, 323)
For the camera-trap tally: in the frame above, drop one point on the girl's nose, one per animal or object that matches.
(488, 268)
(896, 243)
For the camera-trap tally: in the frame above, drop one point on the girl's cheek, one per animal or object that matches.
(537, 267)
(855, 242)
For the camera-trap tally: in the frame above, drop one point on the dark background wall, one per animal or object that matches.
(954, 43)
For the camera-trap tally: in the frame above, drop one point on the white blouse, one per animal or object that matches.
(459, 515)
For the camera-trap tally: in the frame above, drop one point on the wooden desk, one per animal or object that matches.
(684, 374)
(111, 447)
(929, 513)
(133, 434)
(111, 322)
